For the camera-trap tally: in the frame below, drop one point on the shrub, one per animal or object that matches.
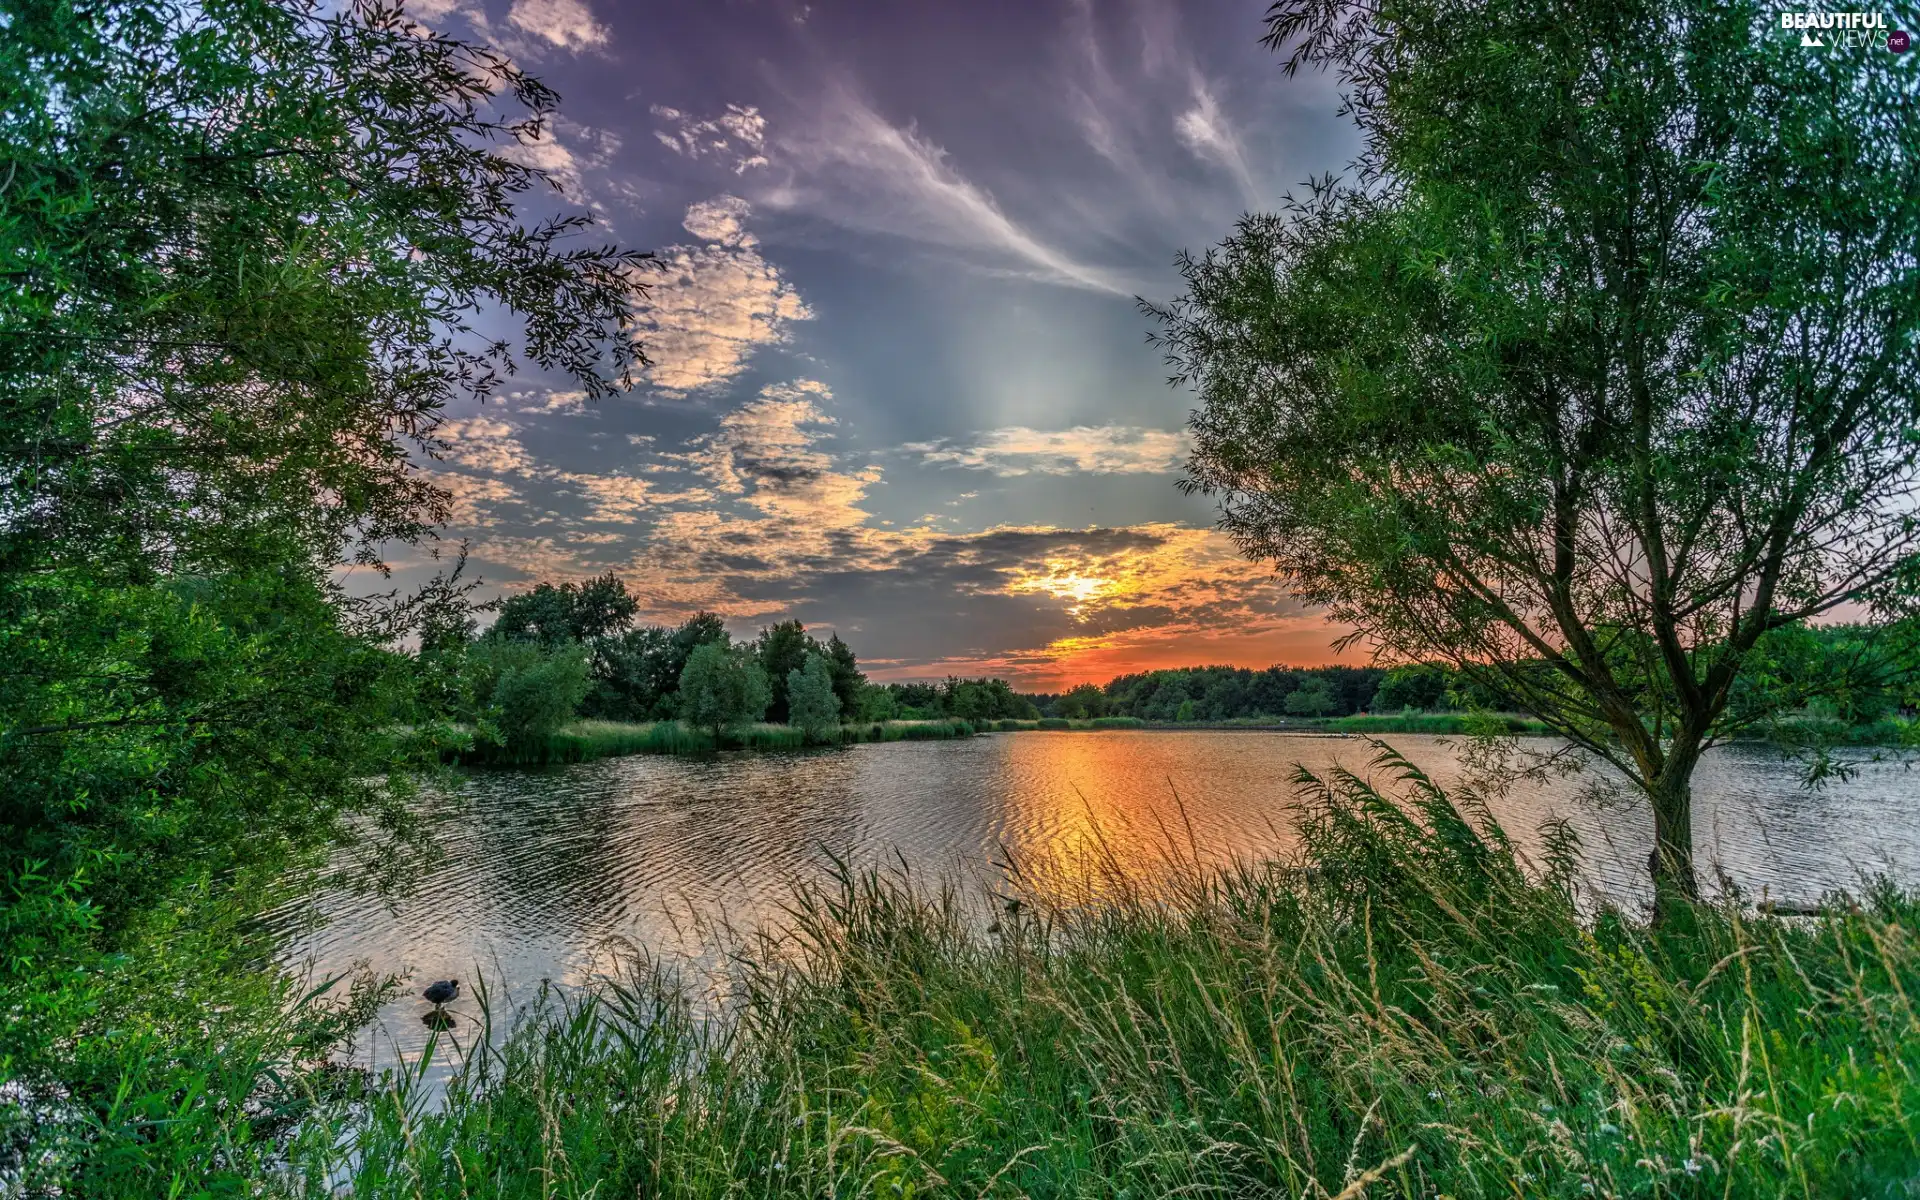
(527, 690)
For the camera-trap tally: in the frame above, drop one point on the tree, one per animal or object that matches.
(1605, 369)
(1086, 700)
(586, 612)
(722, 688)
(782, 649)
(243, 244)
(1422, 686)
(812, 706)
(848, 682)
(877, 703)
(527, 690)
(1313, 698)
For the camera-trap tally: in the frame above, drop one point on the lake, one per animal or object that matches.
(555, 873)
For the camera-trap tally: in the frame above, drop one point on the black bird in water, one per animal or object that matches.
(442, 992)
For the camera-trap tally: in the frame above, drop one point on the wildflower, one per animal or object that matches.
(1691, 1166)
(1434, 1094)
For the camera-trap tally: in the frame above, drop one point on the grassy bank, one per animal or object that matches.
(1057, 723)
(583, 741)
(1453, 723)
(1400, 1013)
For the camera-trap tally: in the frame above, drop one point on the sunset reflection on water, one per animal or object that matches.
(559, 874)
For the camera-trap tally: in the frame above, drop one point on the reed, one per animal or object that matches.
(1407, 1009)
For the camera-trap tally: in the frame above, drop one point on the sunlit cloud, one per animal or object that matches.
(737, 137)
(473, 497)
(484, 444)
(570, 403)
(568, 24)
(1101, 450)
(622, 498)
(714, 304)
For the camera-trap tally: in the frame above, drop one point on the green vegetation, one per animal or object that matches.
(1555, 403)
(1217, 694)
(583, 741)
(244, 247)
(723, 688)
(1547, 392)
(1458, 724)
(963, 699)
(812, 708)
(1401, 1013)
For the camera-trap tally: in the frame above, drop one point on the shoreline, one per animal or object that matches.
(589, 741)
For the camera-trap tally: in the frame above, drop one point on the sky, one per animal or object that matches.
(901, 384)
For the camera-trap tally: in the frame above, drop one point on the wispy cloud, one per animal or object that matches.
(861, 170)
(1084, 449)
(1206, 131)
(715, 303)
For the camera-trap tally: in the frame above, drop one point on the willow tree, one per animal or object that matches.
(1605, 365)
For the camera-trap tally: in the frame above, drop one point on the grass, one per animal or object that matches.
(584, 741)
(1056, 723)
(1417, 722)
(1403, 1011)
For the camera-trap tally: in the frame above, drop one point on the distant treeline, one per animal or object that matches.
(1222, 694)
(563, 652)
(1886, 658)
(567, 651)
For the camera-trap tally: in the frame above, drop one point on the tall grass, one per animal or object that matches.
(583, 741)
(1401, 1012)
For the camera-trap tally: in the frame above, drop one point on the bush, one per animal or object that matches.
(527, 690)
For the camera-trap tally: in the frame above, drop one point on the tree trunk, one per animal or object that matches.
(1674, 883)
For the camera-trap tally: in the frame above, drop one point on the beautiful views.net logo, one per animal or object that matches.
(1849, 30)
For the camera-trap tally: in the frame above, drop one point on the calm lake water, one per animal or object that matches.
(554, 874)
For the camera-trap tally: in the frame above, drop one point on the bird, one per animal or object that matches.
(441, 992)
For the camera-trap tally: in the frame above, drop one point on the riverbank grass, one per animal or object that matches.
(583, 741)
(1404, 1011)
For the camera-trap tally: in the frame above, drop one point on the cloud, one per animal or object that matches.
(555, 403)
(568, 24)
(544, 149)
(619, 498)
(1094, 450)
(473, 497)
(876, 176)
(1206, 131)
(484, 444)
(714, 304)
(737, 137)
